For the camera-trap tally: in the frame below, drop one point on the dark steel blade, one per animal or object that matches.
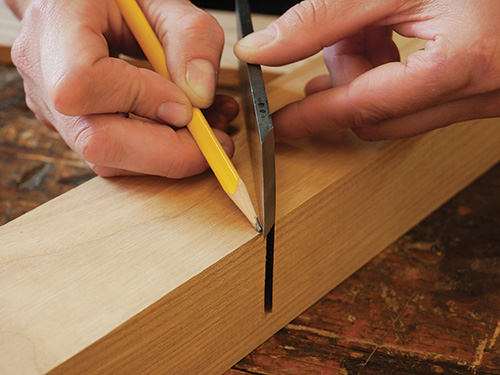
(261, 142)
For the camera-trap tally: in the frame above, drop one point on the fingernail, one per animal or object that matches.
(173, 113)
(258, 39)
(200, 76)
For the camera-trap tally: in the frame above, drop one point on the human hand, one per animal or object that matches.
(455, 78)
(74, 84)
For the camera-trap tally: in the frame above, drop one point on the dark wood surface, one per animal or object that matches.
(428, 304)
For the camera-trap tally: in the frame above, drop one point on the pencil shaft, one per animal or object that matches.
(199, 127)
(211, 148)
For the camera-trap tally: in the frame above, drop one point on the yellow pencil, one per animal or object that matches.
(199, 128)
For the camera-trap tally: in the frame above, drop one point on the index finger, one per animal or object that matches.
(137, 145)
(193, 42)
(312, 25)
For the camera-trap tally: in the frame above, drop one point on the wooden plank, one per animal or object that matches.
(425, 305)
(145, 274)
(9, 28)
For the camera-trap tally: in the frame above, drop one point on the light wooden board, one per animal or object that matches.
(9, 28)
(228, 75)
(132, 275)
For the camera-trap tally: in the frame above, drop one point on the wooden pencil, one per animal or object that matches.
(217, 159)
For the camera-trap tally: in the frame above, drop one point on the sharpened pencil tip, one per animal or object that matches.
(257, 225)
(244, 203)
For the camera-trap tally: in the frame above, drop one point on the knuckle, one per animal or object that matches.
(365, 135)
(24, 47)
(70, 92)
(202, 21)
(196, 24)
(90, 143)
(367, 116)
(101, 170)
(204, 24)
(456, 72)
(442, 58)
(20, 54)
(484, 54)
(444, 63)
(363, 112)
(307, 11)
(176, 164)
(311, 16)
(175, 169)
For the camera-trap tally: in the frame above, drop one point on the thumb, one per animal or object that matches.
(308, 27)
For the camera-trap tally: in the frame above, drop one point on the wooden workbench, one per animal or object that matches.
(428, 304)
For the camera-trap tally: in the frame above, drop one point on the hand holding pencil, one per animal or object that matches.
(199, 128)
(76, 87)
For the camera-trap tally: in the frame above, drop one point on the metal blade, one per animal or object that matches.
(261, 142)
(259, 127)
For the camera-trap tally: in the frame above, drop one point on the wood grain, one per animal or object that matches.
(427, 304)
(133, 275)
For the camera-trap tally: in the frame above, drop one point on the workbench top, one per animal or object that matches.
(428, 304)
